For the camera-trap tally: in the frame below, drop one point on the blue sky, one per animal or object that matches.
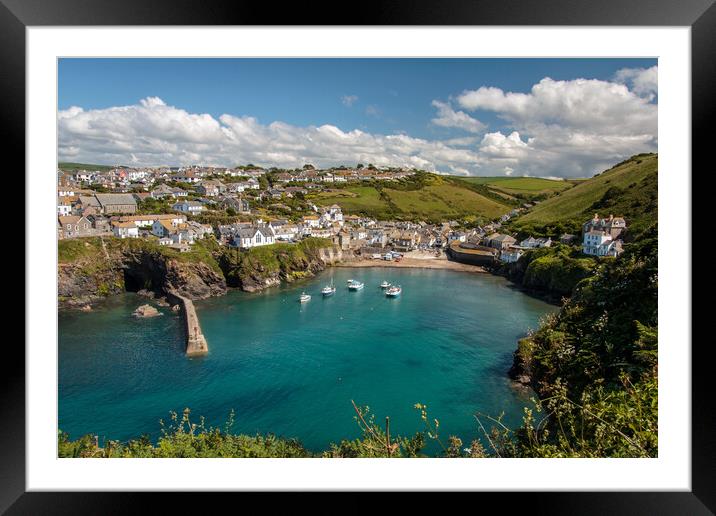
(375, 96)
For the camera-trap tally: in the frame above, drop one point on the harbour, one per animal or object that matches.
(293, 368)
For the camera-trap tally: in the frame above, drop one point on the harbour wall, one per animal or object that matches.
(196, 344)
(479, 255)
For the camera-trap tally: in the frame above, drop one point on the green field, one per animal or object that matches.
(525, 188)
(433, 199)
(353, 199)
(83, 166)
(445, 201)
(628, 189)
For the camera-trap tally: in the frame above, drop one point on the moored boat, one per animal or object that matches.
(393, 291)
(356, 285)
(328, 290)
(304, 298)
(385, 284)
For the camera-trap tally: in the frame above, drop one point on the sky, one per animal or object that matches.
(484, 117)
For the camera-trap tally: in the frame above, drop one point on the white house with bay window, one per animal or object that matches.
(254, 236)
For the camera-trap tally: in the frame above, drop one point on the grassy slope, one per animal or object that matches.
(432, 198)
(82, 166)
(353, 199)
(526, 184)
(628, 189)
(89, 250)
(445, 200)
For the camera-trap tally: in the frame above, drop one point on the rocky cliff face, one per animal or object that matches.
(93, 277)
(153, 271)
(79, 284)
(255, 272)
(98, 269)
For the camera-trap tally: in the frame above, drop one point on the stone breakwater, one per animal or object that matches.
(196, 344)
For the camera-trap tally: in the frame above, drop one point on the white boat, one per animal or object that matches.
(393, 291)
(356, 285)
(328, 290)
(385, 284)
(304, 298)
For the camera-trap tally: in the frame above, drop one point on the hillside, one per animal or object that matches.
(628, 189)
(594, 364)
(426, 196)
(83, 166)
(524, 188)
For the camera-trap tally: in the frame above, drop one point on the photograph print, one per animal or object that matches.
(343, 257)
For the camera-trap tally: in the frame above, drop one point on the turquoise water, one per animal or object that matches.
(292, 369)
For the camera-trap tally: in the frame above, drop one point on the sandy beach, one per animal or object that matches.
(416, 260)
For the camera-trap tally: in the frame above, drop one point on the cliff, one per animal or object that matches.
(92, 268)
(263, 267)
(549, 272)
(594, 364)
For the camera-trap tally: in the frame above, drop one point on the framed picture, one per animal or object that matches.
(427, 233)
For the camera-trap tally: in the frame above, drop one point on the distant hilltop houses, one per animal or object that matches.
(118, 177)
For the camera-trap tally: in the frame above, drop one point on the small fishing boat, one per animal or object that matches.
(393, 291)
(385, 284)
(304, 298)
(328, 290)
(356, 285)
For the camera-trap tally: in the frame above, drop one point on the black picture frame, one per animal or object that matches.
(700, 15)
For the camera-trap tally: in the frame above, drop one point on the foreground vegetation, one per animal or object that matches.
(594, 364)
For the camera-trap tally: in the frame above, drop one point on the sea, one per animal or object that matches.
(295, 369)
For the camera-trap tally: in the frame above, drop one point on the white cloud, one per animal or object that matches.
(559, 128)
(153, 133)
(448, 117)
(585, 104)
(349, 100)
(568, 128)
(643, 81)
(497, 145)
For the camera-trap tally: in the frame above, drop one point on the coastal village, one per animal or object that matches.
(246, 207)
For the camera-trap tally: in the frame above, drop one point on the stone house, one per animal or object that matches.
(499, 241)
(117, 203)
(74, 226)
